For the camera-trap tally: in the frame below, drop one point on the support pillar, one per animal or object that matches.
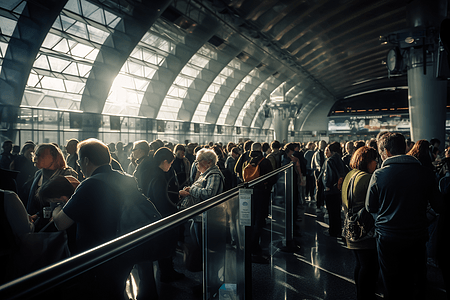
(283, 111)
(281, 120)
(427, 103)
(427, 94)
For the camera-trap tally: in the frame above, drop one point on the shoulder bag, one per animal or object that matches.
(357, 226)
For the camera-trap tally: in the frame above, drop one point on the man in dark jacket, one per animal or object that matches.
(333, 174)
(317, 162)
(397, 197)
(275, 155)
(142, 173)
(6, 157)
(242, 159)
(261, 200)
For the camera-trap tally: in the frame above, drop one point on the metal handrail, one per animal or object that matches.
(41, 280)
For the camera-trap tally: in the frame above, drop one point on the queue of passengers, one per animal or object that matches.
(395, 180)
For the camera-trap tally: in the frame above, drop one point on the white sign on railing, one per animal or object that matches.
(245, 207)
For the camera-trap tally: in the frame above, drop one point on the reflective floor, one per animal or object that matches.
(322, 268)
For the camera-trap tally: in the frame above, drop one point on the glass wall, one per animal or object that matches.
(57, 126)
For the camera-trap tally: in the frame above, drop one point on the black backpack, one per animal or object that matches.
(138, 211)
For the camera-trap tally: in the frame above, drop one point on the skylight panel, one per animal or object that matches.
(7, 26)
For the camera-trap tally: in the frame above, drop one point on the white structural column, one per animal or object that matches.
(283, 111)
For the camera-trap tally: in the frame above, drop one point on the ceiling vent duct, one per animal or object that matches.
(173, 15)
(261, 66)
(217, 42)
(243, 56)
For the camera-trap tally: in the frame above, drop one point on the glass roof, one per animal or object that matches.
(185, 80)
(63, 64)
(67, 55)
(213, 90)
(129, 87)
(247, 81)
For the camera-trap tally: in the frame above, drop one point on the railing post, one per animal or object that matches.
(289, 200)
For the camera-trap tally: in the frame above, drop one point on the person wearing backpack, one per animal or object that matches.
(253, 168)
(275, 155)
(242, 159)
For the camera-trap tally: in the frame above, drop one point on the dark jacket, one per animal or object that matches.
(239, 164)
(142, 173)
(183, 169)
(158, 192)
(333, 169)
(6, 160)
(25, 178)
(317, 162)
(275, 158)
(346, 159)
(398, 196)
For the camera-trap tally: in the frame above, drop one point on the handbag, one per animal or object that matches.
(357, 226)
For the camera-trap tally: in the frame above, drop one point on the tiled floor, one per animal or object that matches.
(322, 268)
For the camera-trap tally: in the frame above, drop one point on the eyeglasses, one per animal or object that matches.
(196, 162)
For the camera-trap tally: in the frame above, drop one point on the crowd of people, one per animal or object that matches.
(402, 184)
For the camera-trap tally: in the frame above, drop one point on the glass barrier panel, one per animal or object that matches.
(278, 214)
(223, 252)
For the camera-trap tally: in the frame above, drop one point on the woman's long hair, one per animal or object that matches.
(421, 151)
(58, 161)
(362, 157)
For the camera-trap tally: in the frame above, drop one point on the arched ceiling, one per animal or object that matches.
(209, 61)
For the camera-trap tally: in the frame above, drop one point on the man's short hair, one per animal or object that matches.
(358, 144)
(256, 147)
(236, 150)
(96, 151)
(275, 145)
(322, 145)
(163, 154)
(179, 147)
(26, 147)
(373, 144)
(265, 146)
(75, 141)
(435, 141)
(248, 145)
(230, 146)
(6, 142)
(393, 142)
(143, 145)
(290, 146)
(335, 147)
